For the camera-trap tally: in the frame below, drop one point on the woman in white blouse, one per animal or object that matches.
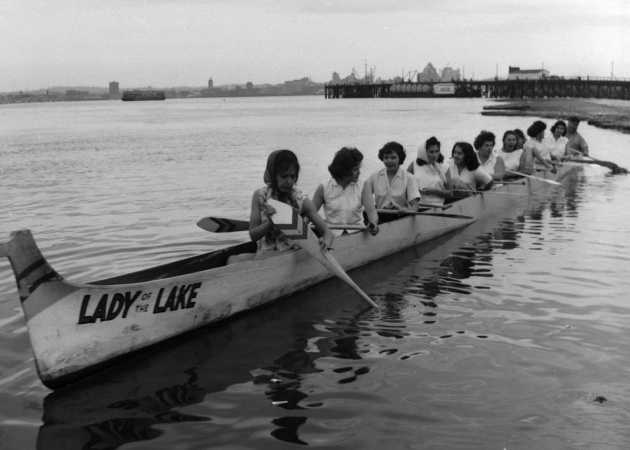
(345, 196)
(513, 157)
(535, 149)
(557, 142)
(428, 171)
(465, 172)
(490, 162)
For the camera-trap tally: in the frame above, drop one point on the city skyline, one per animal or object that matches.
(168, 43)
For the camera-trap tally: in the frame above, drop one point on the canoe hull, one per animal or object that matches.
(77, 329)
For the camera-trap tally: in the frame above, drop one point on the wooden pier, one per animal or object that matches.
(543, 88)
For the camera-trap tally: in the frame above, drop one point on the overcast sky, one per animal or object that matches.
(163, 43)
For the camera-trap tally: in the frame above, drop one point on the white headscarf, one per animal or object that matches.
(435, 167)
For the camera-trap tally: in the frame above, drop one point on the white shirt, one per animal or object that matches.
(343, 206)
(512, 160)
(488, 166)
(469, 178)
(543, 150)
(398, 193)
(427, 178)
(556, 147)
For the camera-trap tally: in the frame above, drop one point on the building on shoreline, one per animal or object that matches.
(114, 90)
(302, 86)
(515, 73)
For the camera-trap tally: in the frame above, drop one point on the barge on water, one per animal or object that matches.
(138, 95)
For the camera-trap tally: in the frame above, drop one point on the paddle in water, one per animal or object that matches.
(608, 164)
(293, 225)
(555, 183)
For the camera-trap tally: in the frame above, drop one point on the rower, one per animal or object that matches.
(280, 178)
(345, 196)
(520, 138)
(428, 171)
(465, 172)
(490, 162)
(513, 156)
(535, 150)
(392, 186)
(577, 146)
(557, 142)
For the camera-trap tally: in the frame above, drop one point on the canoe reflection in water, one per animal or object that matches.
(124, 403)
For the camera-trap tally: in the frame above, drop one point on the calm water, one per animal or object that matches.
(499, 336)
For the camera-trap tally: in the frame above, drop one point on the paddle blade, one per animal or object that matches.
(608, 164)
(219, 225)
(289, 221)
(294, 226)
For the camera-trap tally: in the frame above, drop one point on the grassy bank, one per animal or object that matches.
(609, 114)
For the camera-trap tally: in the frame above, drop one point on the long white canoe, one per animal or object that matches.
(79, 328)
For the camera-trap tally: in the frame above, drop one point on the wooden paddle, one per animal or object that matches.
(222, 225)
(555, 183)
(608, 164)
(511, 182)
(491, 192)
(293, 225)
(420, 213)
(433, 205)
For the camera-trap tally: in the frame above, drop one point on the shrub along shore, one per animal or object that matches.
(609, 114)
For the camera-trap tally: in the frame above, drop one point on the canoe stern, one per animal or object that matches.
(29, 265)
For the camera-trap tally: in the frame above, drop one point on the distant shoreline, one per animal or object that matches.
(608, 114)
(9, 99)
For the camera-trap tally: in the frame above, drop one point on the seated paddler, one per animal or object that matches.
(280, 178)
(393, 187)
(344, 196)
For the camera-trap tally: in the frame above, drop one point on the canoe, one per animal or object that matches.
(77, 329)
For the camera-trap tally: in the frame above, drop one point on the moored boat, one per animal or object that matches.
(138, 95)
(79, 328)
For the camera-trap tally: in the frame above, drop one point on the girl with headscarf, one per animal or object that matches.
(280, 178)
(428, 171)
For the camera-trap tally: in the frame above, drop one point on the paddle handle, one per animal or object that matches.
(222, 225)
(434, 205)
(418, 213)
(491, 192)
(340, 226)
(405, 213)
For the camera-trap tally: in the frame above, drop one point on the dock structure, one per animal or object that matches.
(357, 90)
(587, 87)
